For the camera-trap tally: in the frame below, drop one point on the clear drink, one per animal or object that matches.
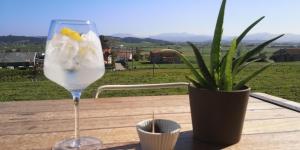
(74, 64)
(74, 60)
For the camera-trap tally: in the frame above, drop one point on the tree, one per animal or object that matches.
(137, 55)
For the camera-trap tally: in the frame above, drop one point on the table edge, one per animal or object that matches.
(277, 101)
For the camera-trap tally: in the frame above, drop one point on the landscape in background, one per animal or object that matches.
(135, 60)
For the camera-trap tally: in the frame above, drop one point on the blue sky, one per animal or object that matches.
(150, 17)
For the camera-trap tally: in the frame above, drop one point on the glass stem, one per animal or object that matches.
(76, 98)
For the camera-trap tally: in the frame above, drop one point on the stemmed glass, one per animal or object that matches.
(74, 60)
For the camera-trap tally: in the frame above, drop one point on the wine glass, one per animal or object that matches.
(74, 60)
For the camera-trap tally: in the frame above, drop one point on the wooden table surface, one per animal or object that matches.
(39, 124)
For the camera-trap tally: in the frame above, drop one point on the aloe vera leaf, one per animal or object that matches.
(248, 78)
(193, 81)
(240, 38)
(197, 75)
(202, 66)
(241, 67)
(215, 46)
(222, 69)
(242, 59)
(227, 74)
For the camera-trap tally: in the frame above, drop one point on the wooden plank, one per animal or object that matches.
(68, 115)
(33, 141)
(103, 103)
(258, 106)
(26, 109)
(39, 124)
(47, 140)
(45, 122)
(260, 114)
(57, 102)
(126, 137)
(271, 125)
(279, 140)
(251, 125)
(272, 141)
(88, 105)
(88, 123)
(97, 113)
(278, 101)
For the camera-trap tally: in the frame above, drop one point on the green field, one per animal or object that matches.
(282, 79)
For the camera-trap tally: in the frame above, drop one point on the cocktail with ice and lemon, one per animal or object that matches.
(74, 60)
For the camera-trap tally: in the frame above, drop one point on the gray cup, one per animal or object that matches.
(164, 140)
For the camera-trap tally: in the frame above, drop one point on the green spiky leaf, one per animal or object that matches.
(216, 43)
(227, 73)
(202, 66)
(248, 78)
(240, 68)
(240, 38)
(242, 59)
(198, 76)
(193, 81)
(222, 71)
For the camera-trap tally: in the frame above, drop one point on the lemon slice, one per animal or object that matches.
(71, 34)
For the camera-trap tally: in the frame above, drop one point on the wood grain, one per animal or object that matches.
(105, 103)
(39, 124)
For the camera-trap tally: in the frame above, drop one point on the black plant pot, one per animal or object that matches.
(218, 116)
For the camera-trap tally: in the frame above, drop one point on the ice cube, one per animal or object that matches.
(72, 54)
(89, 46)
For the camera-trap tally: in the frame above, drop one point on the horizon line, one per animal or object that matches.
(147, 36)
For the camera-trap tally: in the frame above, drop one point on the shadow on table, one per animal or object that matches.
(185, 142)
(135, 146)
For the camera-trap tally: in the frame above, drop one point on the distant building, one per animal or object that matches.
(286, 54)
(39, 60)
(107, 54)
(284, 46)
(161, 57)
(17, 59)
(123, 55)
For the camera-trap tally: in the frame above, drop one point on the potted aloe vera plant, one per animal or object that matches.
(218, 102)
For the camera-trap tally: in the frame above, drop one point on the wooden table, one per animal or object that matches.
(39, 124)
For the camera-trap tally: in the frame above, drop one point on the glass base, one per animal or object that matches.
(86, 143)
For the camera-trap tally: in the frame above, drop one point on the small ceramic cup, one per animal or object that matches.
(165, 138)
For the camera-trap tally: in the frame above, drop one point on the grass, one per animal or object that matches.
(281, 79)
